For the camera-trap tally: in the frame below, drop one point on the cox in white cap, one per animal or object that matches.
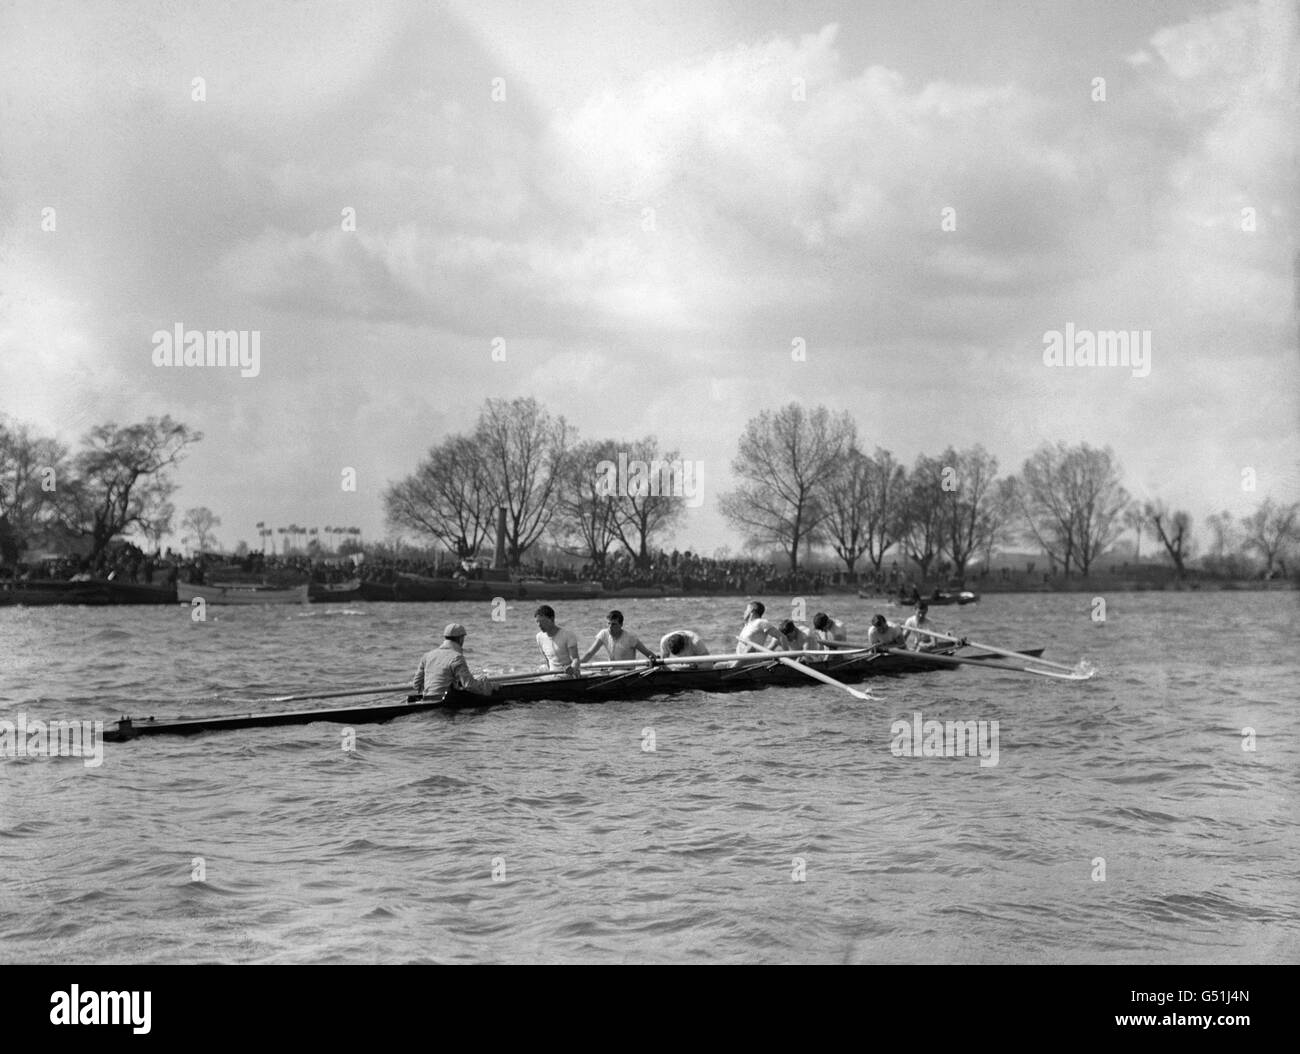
(454, 631)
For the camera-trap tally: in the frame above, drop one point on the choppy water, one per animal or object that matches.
(612, 853)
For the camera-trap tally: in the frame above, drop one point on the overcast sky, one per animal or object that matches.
(668, 195)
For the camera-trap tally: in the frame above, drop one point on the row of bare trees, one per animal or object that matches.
(521, 458)
(118, 482)
(1268, 534)
(806, 481)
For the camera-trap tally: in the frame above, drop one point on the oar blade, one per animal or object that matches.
(1083, 672)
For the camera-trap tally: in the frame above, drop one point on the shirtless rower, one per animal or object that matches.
(617, 642)
(759, 632)
(559, 646)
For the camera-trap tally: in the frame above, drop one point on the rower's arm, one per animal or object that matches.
(595, 647)
(417, 682)
(641, 649)
(467, 679)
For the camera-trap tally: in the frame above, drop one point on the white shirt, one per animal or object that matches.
(836, 631)
(756, 633)
(917, 641)
(694, 645)
(560, 650)
(803, 640)
(624, 647)
(891, 635)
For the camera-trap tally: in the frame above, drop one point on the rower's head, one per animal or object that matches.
(787, 627)
(754, 609)
(614, 620)
(879, 621)
(921, 608)
(455, 633)
(545, 616)
(821, 620)
(676, 642)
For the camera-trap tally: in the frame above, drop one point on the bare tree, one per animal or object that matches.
(122, 481)
(200, 522)
(524, 449)
(1071, 502)
(1135, 519)
(1003, 524)
(648, 507)
(1099, 501)
(886, 505)
(31, 468)
(584, 517)
(923, 509)
(1174, 529)
(1271, 530)
(786, 460)
(969, 513)
(848, 504)
(449, 496)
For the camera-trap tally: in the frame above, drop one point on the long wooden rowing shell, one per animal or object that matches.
(605, 686)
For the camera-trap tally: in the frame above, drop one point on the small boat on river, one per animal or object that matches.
(241, 593)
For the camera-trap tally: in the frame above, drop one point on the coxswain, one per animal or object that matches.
(445, 666)
(559, 646)
(829, 629)
(885, 635)
(617, 642)
(759, 632)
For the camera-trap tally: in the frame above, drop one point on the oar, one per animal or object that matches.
(672, 660)
(815, 674)
(847, 646)
(953, 660)
(1080, 673)
(405, 686)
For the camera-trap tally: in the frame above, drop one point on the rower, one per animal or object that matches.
(920, 620)
(445, 666)
(682, 642)
(798, 638)
(559, 646)
(885, 635)
(618, 642)
(829, 629)
(759, 632)
(923, 641)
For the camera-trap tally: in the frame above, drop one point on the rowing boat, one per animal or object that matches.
(334, 592)
(607, 685)
(238, 593)
(94, 592)
(408, 587)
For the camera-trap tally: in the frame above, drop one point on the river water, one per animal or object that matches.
(1125, 820)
